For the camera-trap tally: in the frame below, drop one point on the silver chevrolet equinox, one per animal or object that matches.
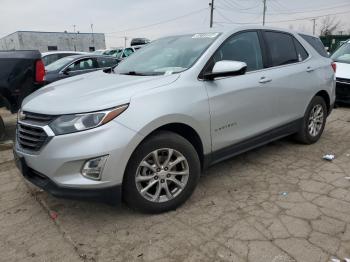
(144, 131)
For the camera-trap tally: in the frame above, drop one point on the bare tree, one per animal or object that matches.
(329, 25)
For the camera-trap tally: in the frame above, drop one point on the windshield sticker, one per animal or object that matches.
(205, 35)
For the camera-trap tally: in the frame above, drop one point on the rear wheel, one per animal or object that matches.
(314, 121)
(161, 174)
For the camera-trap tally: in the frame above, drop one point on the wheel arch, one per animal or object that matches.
(324, 94)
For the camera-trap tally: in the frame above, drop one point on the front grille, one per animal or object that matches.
(37, 118)
(31, 138)
(343, 80)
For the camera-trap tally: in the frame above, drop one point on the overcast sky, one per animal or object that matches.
(156, 18)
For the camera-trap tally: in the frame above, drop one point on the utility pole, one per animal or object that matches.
(264, 11)
(92, 35)
(125, 38)
(74, 39)
(314, 26)
(211, 12)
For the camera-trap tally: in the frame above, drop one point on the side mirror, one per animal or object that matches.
(226, 68)
(66, 71)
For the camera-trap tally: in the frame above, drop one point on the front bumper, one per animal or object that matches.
(56, 168)
(111, 195)
(343, 91)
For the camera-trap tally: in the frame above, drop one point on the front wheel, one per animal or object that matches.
(162, 173)
(314, 121)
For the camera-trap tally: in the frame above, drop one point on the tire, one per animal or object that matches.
(156, 198)
(305, 134)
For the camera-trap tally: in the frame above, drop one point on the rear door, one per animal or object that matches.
(291, 72)
(240, 106)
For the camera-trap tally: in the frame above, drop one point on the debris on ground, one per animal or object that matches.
(284, 194)
(329, 157)
(347, 177)
(53, 215)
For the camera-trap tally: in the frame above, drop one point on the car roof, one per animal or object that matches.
(228, 30)
(89, 55)
(62, 52)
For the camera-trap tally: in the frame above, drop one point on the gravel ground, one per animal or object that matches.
(278, 203)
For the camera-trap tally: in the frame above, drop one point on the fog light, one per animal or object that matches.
(93, 168)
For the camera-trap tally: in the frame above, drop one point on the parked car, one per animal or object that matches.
(139, 41)
(50, 57)
(99, 52)
(76, 65)
(21, 73)
(147, 129)
(342, 58)
(123, 53)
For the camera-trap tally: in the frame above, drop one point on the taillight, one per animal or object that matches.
(334, 66)
(39, 71)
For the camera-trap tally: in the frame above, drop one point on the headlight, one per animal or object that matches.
(79, 122)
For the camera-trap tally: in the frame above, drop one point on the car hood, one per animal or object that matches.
(91, 92)
(343, 70)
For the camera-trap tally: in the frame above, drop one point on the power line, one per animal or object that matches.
(291, 12)
(160, 22)
(291, 20)
(314, 10)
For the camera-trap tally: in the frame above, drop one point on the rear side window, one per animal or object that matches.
(316, 43)
(281, 48)
(301, 52)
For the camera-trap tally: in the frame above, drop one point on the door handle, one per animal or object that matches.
(264, 80)
(309, 69)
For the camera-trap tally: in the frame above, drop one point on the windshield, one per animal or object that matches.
(167, 55)
(118, 53)
(59, 63)
(342, 55)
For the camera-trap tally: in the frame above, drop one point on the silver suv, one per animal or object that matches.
(145, 130)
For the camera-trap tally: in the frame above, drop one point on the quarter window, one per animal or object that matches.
(243, 47)
(281, 47)
(301, 52)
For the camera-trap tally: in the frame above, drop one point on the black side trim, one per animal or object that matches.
(251, 143)
(110, 195)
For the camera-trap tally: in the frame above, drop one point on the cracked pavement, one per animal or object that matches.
(278, 203)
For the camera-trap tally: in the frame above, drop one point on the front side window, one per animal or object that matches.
(244, 47)
(281, 48)
(342, 55)
(167, 55)
(107, 62)
(83, 64)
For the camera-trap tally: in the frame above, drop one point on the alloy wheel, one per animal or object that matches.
(162, 175)
(316, 119)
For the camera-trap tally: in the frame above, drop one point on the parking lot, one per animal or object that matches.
(281, 202)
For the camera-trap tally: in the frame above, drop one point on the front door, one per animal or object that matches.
(240, 105)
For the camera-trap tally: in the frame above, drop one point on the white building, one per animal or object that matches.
(51, 41)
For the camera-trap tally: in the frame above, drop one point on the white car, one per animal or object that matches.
(342, 58)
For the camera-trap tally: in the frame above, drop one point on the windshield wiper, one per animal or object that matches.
(132, 73)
